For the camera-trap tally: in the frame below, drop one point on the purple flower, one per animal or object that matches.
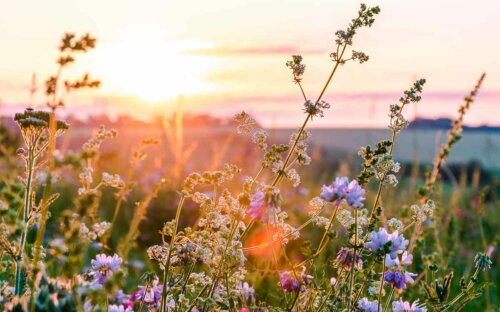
(398, 279)
(344, 259)
(341, 189)
(335, 192)
(404, 306)
(288, 282)
(399, 244)
(124, 299)
(248, 292)
(263, 204)
(369, 306)
(380, 238)
(103, 267)
(355, 194)
(119, 308)
(255, 210)
(151, 294)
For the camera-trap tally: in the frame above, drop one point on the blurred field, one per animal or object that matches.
(473, 164)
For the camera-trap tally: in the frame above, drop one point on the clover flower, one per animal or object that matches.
(355, 194)
(399, 244)
(289, 282)
(103, 267)
(398, 279)
(406, 260)
(369, 306)
(380, 239)
(151, 294)
(404, 306)
(344, 259)
(335, 192)
(342, 189)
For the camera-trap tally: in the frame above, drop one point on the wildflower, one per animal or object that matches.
(88, 307)
(335, 192)
(86, 176)
(245, 123)
(404, 306)
(118, 308)
(333, 281)
(381, 238)
(101, 228)
(355, 194)
(296, 66)
(369, 306)
(482, 261)
(112, 180)
(399, 244)
(395, 224)
(263, 205)
(288, 282)
(421, 214)
(378, 239)
(316, 109)
(103, 267)
(247, 291)
(344, 259)
(398, 279)
(341, 189)
(406, 260)
(151, 294)
(293, 176)
(123, 299)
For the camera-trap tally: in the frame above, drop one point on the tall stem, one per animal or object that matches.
(294, 145)
(47, 190)
(388, 300)
(26, 212)
(353, 262)
(381, 285)
(171, 247)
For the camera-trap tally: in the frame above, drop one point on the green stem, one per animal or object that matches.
(388, 300)
(221, 264)
(294, 300)
(171, 247)
(27, 209)
(290, 153)
(353, 262)
(381, 286)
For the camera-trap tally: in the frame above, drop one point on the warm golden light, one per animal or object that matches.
(152, 71)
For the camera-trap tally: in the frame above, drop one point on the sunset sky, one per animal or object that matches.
(224, 56)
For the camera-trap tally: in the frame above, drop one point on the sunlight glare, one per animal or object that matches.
(152, 71)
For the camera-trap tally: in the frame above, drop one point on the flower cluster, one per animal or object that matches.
(291, 282)
(103, 267)
(341, 189)
(297, 67)
(315, 109)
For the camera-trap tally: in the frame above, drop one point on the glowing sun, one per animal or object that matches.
(152, 71)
